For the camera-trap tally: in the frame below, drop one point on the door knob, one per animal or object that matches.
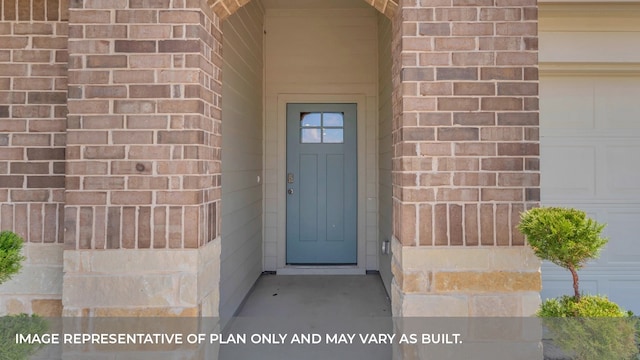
(290, 191)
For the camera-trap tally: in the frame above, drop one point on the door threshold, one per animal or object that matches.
(321, 270)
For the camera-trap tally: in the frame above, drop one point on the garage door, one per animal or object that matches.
(590, 159)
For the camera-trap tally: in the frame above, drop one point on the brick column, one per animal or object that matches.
(143, 158)
(466, 157)
(33, 94)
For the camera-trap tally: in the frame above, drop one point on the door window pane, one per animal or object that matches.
(310, 136)
(333, 119)
(332, 136)
(310, 119)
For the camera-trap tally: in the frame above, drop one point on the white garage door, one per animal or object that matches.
(590, 159)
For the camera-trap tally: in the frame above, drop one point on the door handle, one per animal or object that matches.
(290, 191)
(290, 178)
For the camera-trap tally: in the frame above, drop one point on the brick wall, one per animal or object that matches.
(466, 135)
(143, 152)
(33, 85)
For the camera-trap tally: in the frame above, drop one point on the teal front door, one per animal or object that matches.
(321, 184)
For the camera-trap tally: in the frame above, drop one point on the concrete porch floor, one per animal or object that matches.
(317, 295)
(311, 304)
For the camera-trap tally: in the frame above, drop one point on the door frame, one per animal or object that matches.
(282, 267)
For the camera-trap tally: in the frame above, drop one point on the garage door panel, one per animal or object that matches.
(616, 102)
(626, 293)
(623, 231)
(562, 285)
(568, 103)
(621, 166)
(556, 181)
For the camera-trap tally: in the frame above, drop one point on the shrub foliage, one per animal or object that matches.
(566, 237)
(10, 257)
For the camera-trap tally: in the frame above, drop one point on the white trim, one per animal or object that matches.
(360, 100)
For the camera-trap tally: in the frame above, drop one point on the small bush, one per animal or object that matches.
(592, 328)
(587, 306)
(566, 237)
(19, 324)
(10, 257)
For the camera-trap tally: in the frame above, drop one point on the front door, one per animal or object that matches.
(321, 184)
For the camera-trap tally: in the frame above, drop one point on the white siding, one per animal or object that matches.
(385, 146)
(242, 114)
(321, 52)
(590, 137)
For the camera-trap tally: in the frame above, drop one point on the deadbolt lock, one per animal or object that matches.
(290, 178)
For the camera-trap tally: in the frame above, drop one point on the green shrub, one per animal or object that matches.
(566, 237)
(587, 306)
(19, 324)
(592, 328)
(10, 264)
(10, 257)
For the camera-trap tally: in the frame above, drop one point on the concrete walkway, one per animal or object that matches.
(311, 307)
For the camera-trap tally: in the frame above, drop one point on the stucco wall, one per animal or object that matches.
(241, 256)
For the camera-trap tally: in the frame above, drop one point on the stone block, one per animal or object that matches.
(435, 305)
(486, 282)
(47, 307)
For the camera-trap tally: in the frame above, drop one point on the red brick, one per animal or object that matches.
(175, 227)
(502, 164)
(515, 149)
(29, 168)
(455, 225)
(133, 76)
(456, 14)
(113, 227)
(501, 103)
(149, 91)
(444, 73)
(472, 29)
(519, 179)
(500, 14)
(144, 227)
(417, 74)
(502, 224)
(47, 182)
(87, 137)
(88, 17)
(475, 149)
(103, 183)
(136, 16)
(179, 17)
(106, 61)
(440, 225)
(501, 134)
(132, 137)
(457, 194)
(86, 198)
(458, 133)
(516, 58)
(474, 88)
(517, 28)
(147, 183)
(35, 223)
(516, 237)
(417, 134)
(129, 227)
(502, 195)
(134, 106)
(486, 224)
(147, 121)
(106, 31)
(30, 140)
(159, 227)
(473, 118)
(458, 164)
(131, 197)
(474, 179)
(131, 167)
(454, 44)
(135, 46)
(86, 227)
(405, 223)
(105, 92)
(434, 29)
(471, 224)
